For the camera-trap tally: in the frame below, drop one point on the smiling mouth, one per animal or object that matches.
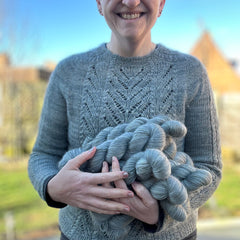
(130, 16)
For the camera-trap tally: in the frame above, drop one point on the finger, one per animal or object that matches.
(142, 192)
(105, 169)
(76, 162)
(102, 211)
(115, 164)
(110, 193)
(99, 205)
(106, 177)
(116, 167)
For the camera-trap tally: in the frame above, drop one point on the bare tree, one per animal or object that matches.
(18, 37)
(19, 40)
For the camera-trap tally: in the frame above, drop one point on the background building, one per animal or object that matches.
(21, 96)
(226, 85)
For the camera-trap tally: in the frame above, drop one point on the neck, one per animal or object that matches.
(131, 48)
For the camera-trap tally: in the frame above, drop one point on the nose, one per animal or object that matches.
(131, 3)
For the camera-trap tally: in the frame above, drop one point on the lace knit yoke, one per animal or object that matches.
(107, 89)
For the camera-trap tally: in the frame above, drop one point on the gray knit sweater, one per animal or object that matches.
(90, 91)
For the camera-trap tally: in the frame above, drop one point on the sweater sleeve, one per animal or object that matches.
(202, 142)
(52, 139)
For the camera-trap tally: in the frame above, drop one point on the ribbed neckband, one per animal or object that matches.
(160, 52)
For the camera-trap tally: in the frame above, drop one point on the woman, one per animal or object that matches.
(128, 77)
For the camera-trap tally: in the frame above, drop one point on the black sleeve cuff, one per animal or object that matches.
(155, 227)
(48, 199)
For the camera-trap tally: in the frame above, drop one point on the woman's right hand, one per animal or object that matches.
(84, 190)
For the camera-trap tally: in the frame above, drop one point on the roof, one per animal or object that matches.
(222, 75)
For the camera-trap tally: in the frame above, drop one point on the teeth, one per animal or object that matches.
(130, 15)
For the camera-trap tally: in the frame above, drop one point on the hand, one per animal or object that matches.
(142, 206)
(83, 190)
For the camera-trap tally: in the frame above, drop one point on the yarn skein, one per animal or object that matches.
(146, 149)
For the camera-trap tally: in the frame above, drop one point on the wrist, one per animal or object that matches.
(151, 221)
(51, 189)
(49, 199)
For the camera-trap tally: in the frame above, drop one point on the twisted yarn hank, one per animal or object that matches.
(146, 149)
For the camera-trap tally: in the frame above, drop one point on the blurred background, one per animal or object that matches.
(36, 35)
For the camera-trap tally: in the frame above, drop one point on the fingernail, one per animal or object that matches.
(91, 149)
(126, 209)
(104, 164)
(130, 194)
(114, 158)
(125, 174)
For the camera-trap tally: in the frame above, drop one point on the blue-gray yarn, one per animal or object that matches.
(146, 149)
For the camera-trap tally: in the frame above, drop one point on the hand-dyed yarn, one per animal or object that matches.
(147, 150)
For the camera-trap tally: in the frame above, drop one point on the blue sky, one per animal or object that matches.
(57, 29)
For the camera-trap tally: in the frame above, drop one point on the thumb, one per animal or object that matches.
(76, 162)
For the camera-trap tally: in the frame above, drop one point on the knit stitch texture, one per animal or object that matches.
(92, 91)
(145, 149)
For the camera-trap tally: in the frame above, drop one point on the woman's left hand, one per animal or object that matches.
(142, 206)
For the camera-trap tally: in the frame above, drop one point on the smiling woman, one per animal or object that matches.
(131, 23)
(92, 100)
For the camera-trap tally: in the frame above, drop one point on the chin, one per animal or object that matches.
(133, 36)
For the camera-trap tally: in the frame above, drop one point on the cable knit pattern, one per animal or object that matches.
(97, 91)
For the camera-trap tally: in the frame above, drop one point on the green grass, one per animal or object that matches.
(228, 194)
(32, 214)
(18, 197)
